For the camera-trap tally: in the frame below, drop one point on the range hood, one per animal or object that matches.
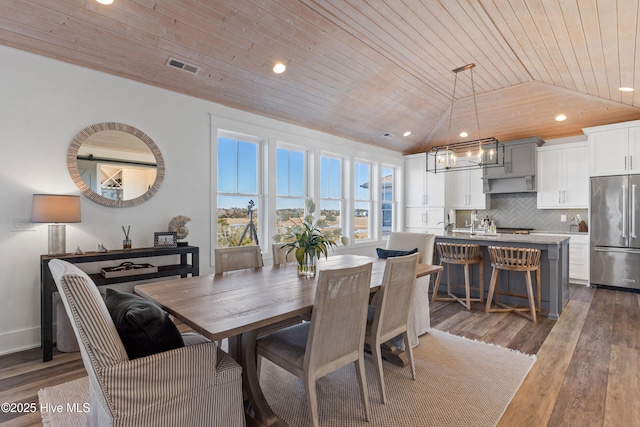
(518, 175)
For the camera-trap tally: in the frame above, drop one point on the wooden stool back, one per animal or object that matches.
(458, 253)
(514, 259)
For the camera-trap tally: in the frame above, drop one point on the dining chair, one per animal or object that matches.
(420, 321)
(237, 258)
(197, 384)
(280, 255)
(333, 338)
(389, 317)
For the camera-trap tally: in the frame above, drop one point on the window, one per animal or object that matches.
(331, 191)
(239, 190)
(290, 187)
(362, 200)
(387, 199)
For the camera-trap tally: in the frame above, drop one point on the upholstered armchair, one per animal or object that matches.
(194, 385)
(419, 321)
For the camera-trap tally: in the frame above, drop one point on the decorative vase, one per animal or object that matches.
(308, 266)
(126, 244)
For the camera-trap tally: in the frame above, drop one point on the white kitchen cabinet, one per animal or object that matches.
(614, 149)
(424, 218)
(563, 176)
(424, 196)
(578, 257)
(464, 189)
(422, 188)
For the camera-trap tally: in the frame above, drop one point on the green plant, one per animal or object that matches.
(307, 238)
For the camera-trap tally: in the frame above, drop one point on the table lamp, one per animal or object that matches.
(56, 209)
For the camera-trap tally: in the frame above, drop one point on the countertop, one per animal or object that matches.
(541, 239)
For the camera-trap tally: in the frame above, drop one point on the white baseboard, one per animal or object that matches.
(23, 339)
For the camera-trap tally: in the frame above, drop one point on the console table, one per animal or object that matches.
(48, 286)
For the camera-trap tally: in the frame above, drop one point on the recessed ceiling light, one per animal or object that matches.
(105, 1)
(407, 133)
(279, 68)
(561, 118)
(626, 89)
(464, 134)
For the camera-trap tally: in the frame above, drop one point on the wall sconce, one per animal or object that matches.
(57, 209)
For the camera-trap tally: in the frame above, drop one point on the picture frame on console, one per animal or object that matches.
(165, 239)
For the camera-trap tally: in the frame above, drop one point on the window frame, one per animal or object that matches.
(341, 199)
(393, 201)
(372, 214)
(259, 197)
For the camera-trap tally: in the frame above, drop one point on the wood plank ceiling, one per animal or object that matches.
(361, 69)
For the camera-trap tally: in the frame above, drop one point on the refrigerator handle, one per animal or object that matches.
(633, 211)
(625, 195)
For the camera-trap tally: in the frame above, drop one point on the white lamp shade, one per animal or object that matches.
(55, 208)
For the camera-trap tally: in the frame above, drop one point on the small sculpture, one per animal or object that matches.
(78, 251)
(178, 224)
(101, 248)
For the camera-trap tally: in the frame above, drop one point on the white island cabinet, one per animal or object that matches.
(563, 176)
(614, 149)
(424, 196)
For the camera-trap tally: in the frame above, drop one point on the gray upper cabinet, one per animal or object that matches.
(518, 173)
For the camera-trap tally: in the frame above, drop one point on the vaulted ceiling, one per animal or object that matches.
(359, 68)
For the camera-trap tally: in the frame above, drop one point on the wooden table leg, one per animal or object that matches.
(258, 412)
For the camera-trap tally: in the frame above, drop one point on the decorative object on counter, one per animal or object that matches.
(101, 248)
(127, 269)
(582, 226)
(178, 224)
(57, 209)
(308, 239)
(78, 251)
(165, 239)
(126, 243)
(481, 152)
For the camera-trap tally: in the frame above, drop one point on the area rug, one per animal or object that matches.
(460, 382)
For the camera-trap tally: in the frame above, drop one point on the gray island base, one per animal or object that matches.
(554, 267)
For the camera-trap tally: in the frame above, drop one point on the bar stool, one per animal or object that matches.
(460, 254)
(515, 259)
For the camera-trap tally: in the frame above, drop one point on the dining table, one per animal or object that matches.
(239, 305)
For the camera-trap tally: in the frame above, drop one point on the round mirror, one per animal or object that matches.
(115, 164)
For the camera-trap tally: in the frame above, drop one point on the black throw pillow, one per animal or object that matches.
(390, 253)
(144, 328)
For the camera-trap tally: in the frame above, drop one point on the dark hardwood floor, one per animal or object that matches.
(587, 372)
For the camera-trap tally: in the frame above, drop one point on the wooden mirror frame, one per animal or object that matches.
(72, 164)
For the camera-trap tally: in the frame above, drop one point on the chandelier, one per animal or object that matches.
(477, 153)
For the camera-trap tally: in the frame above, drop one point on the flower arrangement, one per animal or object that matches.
(308, 240)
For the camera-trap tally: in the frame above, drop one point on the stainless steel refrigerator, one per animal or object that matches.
(615, 230)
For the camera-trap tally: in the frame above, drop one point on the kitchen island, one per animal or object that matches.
(554, 266)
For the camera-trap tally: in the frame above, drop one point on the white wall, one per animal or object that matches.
(43, 105)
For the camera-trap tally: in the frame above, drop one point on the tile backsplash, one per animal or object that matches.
(519, 210)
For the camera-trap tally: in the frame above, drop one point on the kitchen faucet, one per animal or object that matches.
(474, 218)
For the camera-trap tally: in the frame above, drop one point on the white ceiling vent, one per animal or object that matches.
(172, 62)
